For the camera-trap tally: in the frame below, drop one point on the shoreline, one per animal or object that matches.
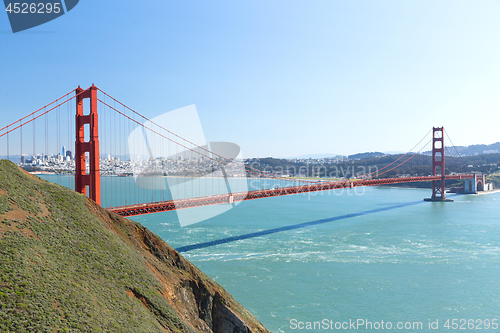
(481, 192)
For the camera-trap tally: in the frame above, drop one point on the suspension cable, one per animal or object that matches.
(38, 116)
(39, 109)
(367, 176)
(257, 172)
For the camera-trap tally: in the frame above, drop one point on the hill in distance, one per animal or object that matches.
(362, 156)
(315, 156)
(68, 265)
(472, 150)
(478, 149)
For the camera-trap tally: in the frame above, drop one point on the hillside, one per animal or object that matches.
(495, 179)
(67, 265)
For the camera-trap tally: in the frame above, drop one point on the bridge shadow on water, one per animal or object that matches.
(294, 226)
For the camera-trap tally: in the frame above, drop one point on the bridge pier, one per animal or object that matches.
(474, 185)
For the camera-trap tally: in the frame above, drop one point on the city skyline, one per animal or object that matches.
(277, 78)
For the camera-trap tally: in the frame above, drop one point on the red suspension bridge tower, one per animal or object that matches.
(82, 178)
(438, 165)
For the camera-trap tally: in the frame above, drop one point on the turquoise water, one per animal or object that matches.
(120, 191)
(378, 254)
(408, 264)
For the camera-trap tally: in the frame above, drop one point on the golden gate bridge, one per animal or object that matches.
(106, 128)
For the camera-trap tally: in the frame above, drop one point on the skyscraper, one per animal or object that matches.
(64, 151)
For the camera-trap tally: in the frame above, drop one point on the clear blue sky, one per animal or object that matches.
(279, 78)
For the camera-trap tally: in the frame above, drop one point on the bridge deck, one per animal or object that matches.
(164, 206)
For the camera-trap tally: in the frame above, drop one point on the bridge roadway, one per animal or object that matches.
(164, 206)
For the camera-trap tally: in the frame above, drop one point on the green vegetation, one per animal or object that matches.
(420, 165)
(495, 179)
(62, 270)
(361, 156)
(5, 206)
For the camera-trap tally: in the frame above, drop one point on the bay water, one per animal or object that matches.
(362, 260)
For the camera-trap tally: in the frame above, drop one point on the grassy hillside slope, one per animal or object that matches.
(495, 179)
(67, 265)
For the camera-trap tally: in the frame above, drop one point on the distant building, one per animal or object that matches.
(68, 153)
(26, 160)
(63, 151)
